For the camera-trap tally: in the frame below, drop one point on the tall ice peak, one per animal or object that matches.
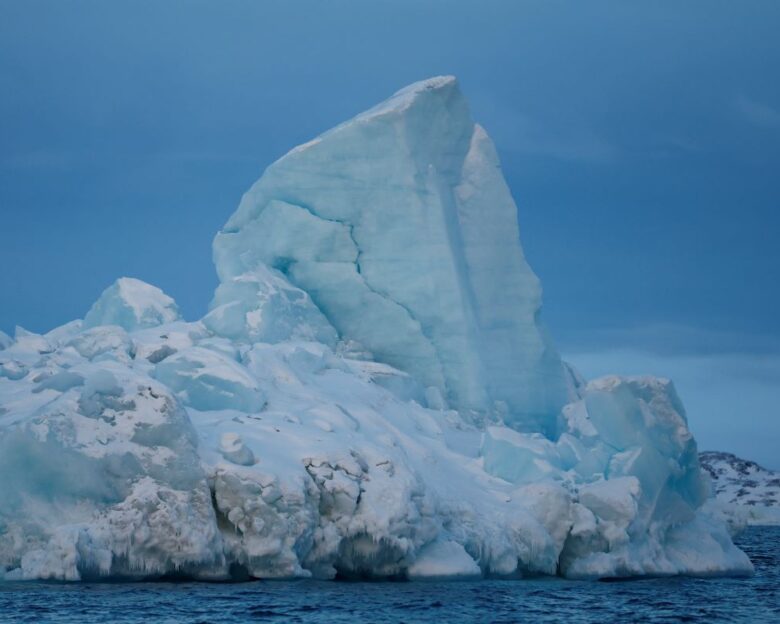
(401, 228)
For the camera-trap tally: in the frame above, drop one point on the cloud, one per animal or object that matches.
(44, 159)
(575, 137)
(55, 159)
(758, 113)
(666, 145)
(560, 139)
(670, 339)
(196, 156)
(573, 144)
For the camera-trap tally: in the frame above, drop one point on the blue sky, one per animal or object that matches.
(641, 141)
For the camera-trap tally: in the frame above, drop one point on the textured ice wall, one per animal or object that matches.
(400, 226)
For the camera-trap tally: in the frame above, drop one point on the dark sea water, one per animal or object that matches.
(754, 600)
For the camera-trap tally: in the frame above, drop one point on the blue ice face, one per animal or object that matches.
(402, 230)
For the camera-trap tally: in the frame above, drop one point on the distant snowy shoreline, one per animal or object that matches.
(753, 490)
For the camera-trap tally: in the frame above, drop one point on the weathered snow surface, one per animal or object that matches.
(132, 304)
(371, 395)
(750, 491)
(291, 460)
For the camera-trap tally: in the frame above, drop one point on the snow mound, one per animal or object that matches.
(208, 380)
(106, 482)
(132, 304)
(371, 395)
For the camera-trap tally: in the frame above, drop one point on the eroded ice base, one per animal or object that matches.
(170, 450)
(372, 394)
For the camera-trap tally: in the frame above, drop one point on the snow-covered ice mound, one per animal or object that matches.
(370, 395)
(132, 304)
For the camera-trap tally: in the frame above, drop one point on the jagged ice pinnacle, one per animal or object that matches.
(400, 226)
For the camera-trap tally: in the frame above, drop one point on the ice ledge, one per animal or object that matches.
(402, 99)
(397, 104)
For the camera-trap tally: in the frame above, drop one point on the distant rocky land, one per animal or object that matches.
(745, 483)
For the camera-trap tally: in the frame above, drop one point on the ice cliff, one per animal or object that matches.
(371, 394)
(402, 230)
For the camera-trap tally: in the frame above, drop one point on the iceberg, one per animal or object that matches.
(371, 394)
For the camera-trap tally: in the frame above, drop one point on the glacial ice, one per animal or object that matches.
(371, 395)
(262, 306)
(400, 226)
(132, 304)
(208, 380)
